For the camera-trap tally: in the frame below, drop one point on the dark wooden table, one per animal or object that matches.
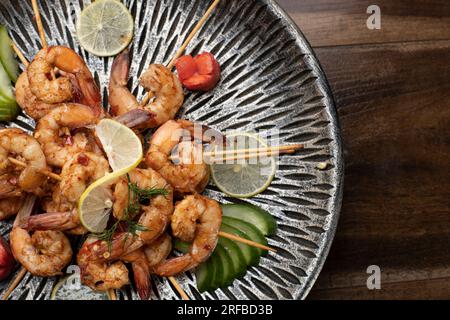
(392, 89)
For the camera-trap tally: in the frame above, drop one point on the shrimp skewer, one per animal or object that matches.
(183, 47)
(154, 217)
(61, 90)
(78, 85)
(34, 107)
(58, 148)
(192, 175)
(204, 234)
(45, 253)
(77, 174)
(165, 109)
(100, 276)
(157, 79)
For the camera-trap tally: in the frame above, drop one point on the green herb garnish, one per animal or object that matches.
(136, 196)
(108, 234)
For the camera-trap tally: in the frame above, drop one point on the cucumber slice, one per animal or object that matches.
(8, 110)
(236, 257)
(5, 85)
(251, 254)
(227, 267)
(7, 55)
(260, 218)
(204, 274)
(252, 232)
(217, 276)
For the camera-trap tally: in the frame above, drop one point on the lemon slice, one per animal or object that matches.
(124, 151)
(105, 28)
(96, 204)
(122, 146)
(244, 178)
(70, 288)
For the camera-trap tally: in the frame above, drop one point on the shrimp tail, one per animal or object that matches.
(120, 69)
(174, 266)
(135, 118)
(142, 279)
(91, 95)
(121, 244)
(120, 98)
(51, 221)
(70, 62)
(203, 132)
(25, 210)
(76, 90)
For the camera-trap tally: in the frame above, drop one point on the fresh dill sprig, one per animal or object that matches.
(134, 227)
(146, 194)
(108, 234)
(136, 196)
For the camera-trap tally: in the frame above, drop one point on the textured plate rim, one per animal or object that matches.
(302, 41)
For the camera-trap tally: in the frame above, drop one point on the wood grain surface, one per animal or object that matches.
(392, 90)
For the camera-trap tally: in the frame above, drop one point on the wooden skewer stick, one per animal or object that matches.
(185, 44)
(254, 150)
(244, 154)
(20, 55)
(15, 283)
(179, 288)
(112, 294)
(245, 241)
(193, 33)
(40, 27)
(24, 165)
(39, 23)
(253, 156)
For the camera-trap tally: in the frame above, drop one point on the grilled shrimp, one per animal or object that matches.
(208, 216)
(158, 79)
(18, 144)
(192, 174)
(60, 89)
(83, 169)
(141, 272)
(145, 259)
(154, 217)
(35, 108)
(99, 275)
(158, 250)
(45, 253)
(76, 176)
(54, 133)
(10, 207)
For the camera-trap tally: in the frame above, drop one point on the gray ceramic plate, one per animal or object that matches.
(271, 81)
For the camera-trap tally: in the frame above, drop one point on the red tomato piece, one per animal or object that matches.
(205, 63)
(200, 82)
(186, 67)
(206, 74)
